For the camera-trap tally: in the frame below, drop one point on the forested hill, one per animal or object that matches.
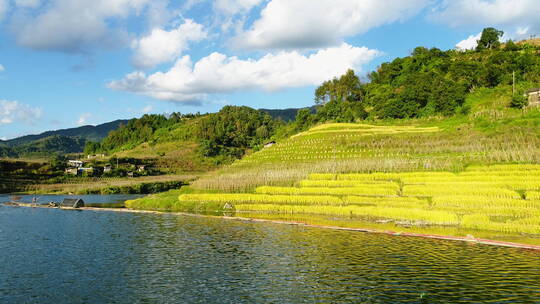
(431, 82)
(287, 115)
(199, 138)
(63, 141)
(89, 133)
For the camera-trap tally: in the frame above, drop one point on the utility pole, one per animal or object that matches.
(513, 82)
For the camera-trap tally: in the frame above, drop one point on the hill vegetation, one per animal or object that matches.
(63, 141)
(192, 142)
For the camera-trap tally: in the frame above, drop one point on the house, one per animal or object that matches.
(130, 174)
(75, 163)
(88, 170)
(96, 156)
(269, 144)
(107, 169)
(141, 168)
(534, 97)
(72, 171)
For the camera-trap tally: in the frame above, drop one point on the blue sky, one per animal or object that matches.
(65, 63)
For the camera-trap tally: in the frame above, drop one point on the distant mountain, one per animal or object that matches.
(88, 133)
(52, 144)
(286, 114)
(62, 141)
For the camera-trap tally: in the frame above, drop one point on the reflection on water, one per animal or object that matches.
(55, 256)
(359, 223)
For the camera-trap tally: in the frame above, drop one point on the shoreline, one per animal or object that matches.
(472, 240)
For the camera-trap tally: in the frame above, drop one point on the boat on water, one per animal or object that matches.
(66, 202)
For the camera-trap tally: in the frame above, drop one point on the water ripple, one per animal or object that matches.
(54, 256)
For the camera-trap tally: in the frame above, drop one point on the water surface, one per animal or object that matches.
(60, 256)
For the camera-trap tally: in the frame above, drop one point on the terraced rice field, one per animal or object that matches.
(314, 145)
(504, 198)
(343, 148)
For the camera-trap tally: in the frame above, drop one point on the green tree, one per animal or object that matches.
(490, 39)
(340, 99)
(304, 119)
(345, 88)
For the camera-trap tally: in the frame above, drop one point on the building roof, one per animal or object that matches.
(73, 202)
(533, 90)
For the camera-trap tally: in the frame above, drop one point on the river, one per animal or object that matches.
(62, 256)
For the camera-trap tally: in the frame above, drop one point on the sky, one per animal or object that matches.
(68, 63)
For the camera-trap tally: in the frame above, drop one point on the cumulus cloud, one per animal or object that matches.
(470, 43)
(73, 25)
(217, 73)
(517, 17)
(163, 46)
(14, 111)
(313, 24)
(2, 68)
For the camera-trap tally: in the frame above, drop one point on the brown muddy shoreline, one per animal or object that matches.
(468, 239)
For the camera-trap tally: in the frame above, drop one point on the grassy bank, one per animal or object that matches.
(113, 185)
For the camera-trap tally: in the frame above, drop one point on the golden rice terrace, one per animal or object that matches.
(345, 148)
(503, 198)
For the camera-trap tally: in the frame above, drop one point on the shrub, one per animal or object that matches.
(519, 101)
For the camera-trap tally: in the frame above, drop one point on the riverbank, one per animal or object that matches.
(114, 185)
(469, 239)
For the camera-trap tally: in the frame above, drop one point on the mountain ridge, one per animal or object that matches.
(88, 132)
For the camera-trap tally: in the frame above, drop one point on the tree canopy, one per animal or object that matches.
(490, 39)
(428, 82)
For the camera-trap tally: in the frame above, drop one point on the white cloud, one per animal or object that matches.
(232, 7)
(147, 109)
(73, 25)
(313, 24)
(83, 119)
(470, 43)
(522, 31)
(4, 5)
(27, 3)
(14, 111)
(218, 73)
(2, 68)
(517, 17)
(164, 46)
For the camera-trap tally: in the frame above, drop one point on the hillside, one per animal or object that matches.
(491, 133)
(426, 175)
(54, 144)
(62, 141)
(190, 142)
(287, 115)
(89, 133)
